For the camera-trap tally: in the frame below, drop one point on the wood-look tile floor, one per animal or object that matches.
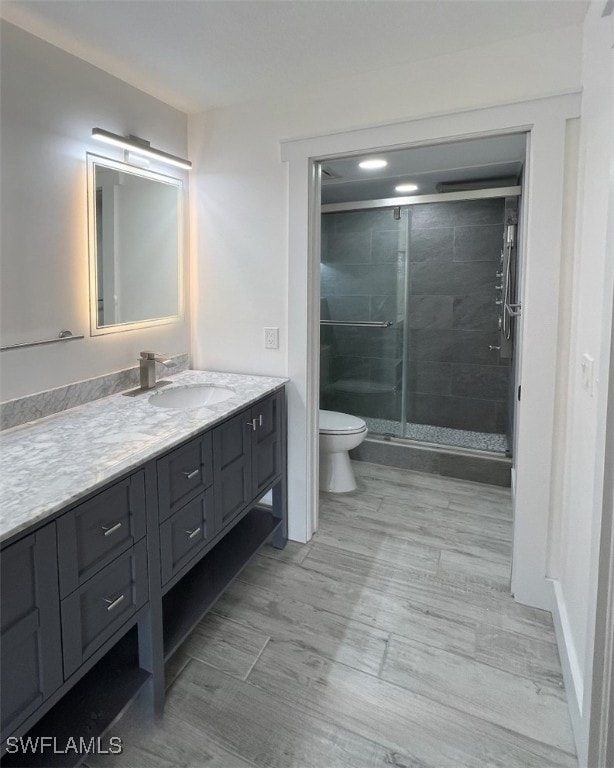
(391, 639)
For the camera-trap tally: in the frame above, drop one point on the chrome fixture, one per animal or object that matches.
(359, 323)
(140, 146)
(63, 335)
(147, 368)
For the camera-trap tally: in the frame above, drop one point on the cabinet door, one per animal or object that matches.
(267, 442)
(232, 453)
(30, 626)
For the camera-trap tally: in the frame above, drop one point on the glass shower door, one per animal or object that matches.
(363, 286)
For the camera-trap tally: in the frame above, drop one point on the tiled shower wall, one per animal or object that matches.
(454, 380)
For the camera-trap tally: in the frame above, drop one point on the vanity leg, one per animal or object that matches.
(151, 659)
(280, 510)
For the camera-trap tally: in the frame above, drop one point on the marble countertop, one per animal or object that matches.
(50, 463)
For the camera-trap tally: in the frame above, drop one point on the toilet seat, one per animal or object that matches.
(334, 423)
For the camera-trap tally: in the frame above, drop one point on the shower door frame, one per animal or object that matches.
(544, 120)
(402, 202)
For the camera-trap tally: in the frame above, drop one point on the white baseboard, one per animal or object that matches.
(573, 674)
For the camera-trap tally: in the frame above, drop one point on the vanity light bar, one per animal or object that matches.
(140, 146)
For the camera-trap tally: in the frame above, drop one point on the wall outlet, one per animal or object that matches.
(587, 365)
(271, 338)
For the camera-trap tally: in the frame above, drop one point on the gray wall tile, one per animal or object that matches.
(486, 470)
(451, 346)
(382, 308)
(454, 412)
(479, 243)
(435, 244)
(476, 311)
(348, 247)
(359, 280)
(462, 213)
(388, 246)
(489, 382)
(452, 279)
(395, 455)
(430, 311)
(429, 377)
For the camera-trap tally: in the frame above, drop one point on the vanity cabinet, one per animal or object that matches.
(30, 643)
(96, 600)
(247, 456)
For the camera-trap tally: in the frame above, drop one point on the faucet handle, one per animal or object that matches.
(149, 355)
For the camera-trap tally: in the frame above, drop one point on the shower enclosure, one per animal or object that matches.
(417, 310)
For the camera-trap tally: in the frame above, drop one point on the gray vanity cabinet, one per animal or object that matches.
(96, 601)
(30, 626)
(247, 456)
(267, 439)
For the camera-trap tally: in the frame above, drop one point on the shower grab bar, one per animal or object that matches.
(359, 323)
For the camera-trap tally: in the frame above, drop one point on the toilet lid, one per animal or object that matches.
(332, 422)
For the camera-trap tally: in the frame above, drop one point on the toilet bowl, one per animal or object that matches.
(339, 433)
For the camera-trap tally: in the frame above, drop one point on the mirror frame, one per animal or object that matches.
(106, 162)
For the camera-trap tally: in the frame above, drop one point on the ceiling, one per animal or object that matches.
(493, 161)
(201, 54)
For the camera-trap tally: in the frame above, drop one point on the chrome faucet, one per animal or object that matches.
(147, 368)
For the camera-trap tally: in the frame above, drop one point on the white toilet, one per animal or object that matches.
(339, 433)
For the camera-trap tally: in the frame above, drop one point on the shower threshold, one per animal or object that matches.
(444, 436)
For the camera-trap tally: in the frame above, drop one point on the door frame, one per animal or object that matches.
(544, 120)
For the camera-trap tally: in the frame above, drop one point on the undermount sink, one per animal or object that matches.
(191, 396)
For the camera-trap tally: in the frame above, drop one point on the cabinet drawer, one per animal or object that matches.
(98, 608)
(184, 472)
(31, 666)
(185, 533)
(93, 534)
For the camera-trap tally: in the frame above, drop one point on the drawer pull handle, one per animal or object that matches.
(113, 603)
(253, 424)
(109, 530)
(192, 534)
(190, 475)
(260, 420)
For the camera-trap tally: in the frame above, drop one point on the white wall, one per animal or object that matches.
(50, 103)
(239, 186)
(579, 513)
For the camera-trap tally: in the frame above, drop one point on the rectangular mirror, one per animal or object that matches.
(135, 246)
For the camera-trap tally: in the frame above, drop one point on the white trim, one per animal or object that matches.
(572, 671)
(545, 120)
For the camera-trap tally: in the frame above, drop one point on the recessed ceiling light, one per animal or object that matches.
(406, 188)
(372, 165)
